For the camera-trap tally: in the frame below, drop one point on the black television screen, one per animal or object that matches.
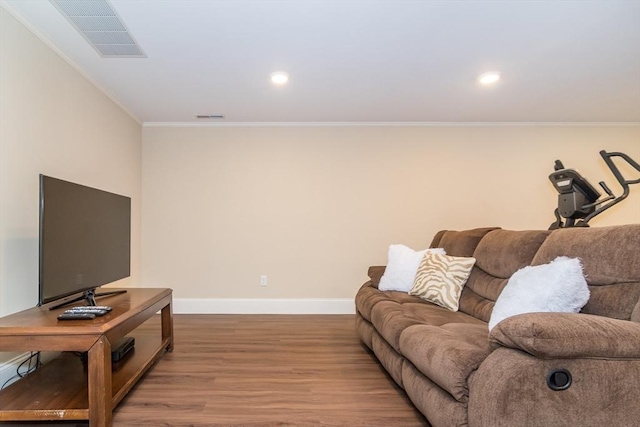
(85, 238)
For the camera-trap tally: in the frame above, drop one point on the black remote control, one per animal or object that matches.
(96, 311)
(76, 316)
(91, 307)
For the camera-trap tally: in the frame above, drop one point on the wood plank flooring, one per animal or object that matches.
(267, 370)
(264, 371)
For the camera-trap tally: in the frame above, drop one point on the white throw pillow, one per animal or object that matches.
(558, 287)
(402, 265)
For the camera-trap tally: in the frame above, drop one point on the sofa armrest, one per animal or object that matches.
(568, 335)
(375, 273)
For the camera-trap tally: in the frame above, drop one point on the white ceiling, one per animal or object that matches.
(365, 61)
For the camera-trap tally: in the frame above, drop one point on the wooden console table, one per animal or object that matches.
(67, 389)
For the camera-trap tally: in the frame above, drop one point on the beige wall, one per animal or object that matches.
(54, 122)
(313, 207)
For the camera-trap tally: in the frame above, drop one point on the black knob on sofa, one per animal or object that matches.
(559, 379)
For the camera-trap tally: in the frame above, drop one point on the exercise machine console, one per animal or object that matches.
(579, 200)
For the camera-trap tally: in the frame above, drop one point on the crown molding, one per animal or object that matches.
(392, 124)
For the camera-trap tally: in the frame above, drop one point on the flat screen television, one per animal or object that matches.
(85, 240)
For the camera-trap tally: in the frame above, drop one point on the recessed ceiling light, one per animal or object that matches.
(279, 77)
(489, 78)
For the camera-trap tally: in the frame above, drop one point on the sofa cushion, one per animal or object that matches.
(611, 260)
(364, 330)
(503, 252)
(388, 357)
(635, 314)
(435, 243)
(368, 296)
(440, 279)
(498, 255)
(391, 318)
(437, 405)
(475, 304)
(447, 354)
(462, 243)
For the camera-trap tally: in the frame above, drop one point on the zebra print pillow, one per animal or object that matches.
(440, 279)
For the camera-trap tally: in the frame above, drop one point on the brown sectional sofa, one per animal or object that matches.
(457, 373)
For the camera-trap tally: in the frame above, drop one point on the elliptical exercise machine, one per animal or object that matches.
(578, 199)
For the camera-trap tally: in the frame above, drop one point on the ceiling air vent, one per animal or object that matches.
(209, 116)
(101, 26)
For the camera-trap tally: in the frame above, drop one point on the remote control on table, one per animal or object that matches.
(76, 316)
(94, 307)
(91, 310)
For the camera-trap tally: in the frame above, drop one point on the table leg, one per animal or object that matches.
(167, 325)
(99, 384)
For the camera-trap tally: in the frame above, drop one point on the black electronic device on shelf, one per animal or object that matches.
(579, 200)
(121, 348)
(85, 241)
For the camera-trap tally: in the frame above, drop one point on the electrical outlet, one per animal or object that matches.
(263, 280)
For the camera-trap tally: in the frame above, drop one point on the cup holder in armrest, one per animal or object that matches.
(559, 379)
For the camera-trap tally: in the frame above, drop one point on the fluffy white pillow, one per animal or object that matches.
(558, 286)
(402, 265)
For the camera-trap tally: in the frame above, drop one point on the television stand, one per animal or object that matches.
(64, 389)
(88, 296)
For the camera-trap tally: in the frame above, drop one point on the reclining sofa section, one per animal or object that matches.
(457, 373)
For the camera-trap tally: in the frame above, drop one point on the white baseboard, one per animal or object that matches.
(263, 306)
(8, 369)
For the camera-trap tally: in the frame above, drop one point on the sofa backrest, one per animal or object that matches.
(498, 255)
(459, 243)
(611, 264)
(610, 257)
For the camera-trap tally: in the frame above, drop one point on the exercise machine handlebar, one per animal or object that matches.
(624, 183)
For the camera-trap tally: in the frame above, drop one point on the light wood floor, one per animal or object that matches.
(267, 370)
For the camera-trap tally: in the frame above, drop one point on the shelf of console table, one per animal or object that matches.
(68, 389)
